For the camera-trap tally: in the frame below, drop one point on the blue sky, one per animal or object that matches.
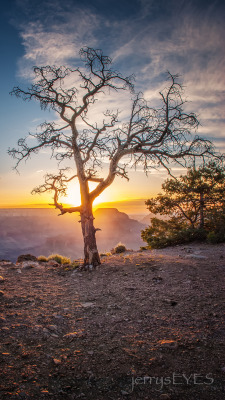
(144, 37)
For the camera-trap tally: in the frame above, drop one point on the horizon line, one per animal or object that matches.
(47, 205)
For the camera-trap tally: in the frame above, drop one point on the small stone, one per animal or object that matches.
(19, 271)
(90, 353)
(2, 279)
(72, 334)
(52, 327)
(59, 317)
(52, 263)
(56, 361)
(54, 335)
(45, 330)
(1, 293)
(223, 369)
(157, 279)
(87, 304)
(169, 344)
(124, 393)
(27, 265)
(37, 327)
(164, 396)
(196, 256)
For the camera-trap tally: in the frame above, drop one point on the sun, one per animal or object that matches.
(73, 197)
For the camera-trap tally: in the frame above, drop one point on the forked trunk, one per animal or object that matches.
(91, 256)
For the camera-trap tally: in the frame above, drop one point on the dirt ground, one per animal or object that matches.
(144, 325)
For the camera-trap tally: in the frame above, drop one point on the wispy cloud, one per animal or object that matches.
(182, 37)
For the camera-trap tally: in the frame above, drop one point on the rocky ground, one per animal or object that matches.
(144, 325)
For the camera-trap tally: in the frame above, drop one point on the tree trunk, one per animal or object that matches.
(91, 255)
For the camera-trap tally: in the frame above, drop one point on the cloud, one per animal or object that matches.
(182, 37)
(49, 43)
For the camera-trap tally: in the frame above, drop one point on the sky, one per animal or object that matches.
(143, 37)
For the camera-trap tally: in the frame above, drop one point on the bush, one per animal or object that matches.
(165, 233)
(119, 248)
(218, 237)
(26, 257)
(59, 259)
(42, 258)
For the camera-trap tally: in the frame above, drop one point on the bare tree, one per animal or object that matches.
(151, 137)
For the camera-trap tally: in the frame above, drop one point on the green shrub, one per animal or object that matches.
(119, 248)
(167, 233)
(216, 237)
(59, 259)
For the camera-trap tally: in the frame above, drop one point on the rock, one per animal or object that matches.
(52, 263)
(7, 264)
(27, 265)
(87, 304)
(26, 257)
(37, 328)
(168, 344)
(196, 256)
(124, 393)
(31, 264)
(56, 361)
(164, 396)
(59, 317)
(157, 279)
(52, 328)
(2, 279)
(45, 330)
(71, 335)
(74, 334)
(170, 302)
(1, 293)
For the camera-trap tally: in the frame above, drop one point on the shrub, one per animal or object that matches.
(165, 233)
(119, 248)
(42, 258)
(105, 254)
(26, 257)
(59, 259)
(216, 237)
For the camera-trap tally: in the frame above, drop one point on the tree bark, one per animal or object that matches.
(91, 255)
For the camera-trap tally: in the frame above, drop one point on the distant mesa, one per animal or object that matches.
(110, 213)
